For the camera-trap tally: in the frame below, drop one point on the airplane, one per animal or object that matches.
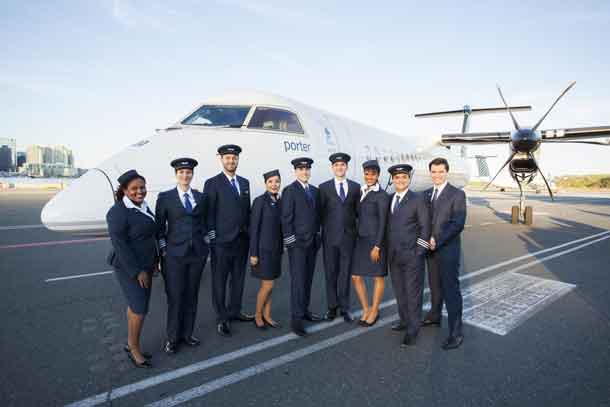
(524, 144)
(272, 130)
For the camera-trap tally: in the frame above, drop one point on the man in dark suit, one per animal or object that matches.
(448, 207)
(301, 232)
(180, 216)
(338, 201)
(408, 233)
(228, 199)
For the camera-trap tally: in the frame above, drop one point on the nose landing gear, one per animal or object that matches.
(522, 212)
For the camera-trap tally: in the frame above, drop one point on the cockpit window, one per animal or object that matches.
(230, 116)
(268, 118)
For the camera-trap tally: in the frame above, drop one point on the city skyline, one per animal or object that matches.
(145, 65)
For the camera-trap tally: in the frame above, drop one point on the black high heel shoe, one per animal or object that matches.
(145, 354)
(261, 327)
(143, 365)
(368, 325)
(273, 324)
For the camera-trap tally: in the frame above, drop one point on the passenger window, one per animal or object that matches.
(268, 118)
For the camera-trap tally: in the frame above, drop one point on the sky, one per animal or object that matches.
(98, 75)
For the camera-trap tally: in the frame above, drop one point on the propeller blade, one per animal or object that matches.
(498, 173)
(553, 105)
(508, 108)
(548, 187)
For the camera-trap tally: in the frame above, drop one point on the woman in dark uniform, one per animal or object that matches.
(369, 259)
(133, 231)
(266, 246)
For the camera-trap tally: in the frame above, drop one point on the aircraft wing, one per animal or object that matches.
(585, 135)
(476, 138)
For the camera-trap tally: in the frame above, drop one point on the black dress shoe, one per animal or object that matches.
(331, 314)
(398, 326)
(347, 317)
(145, 354)
(223, 329)
(311, 317)
(453, 342)
(297, 327)
(262, 327)
(431, 322)
(142, 365)
(191, 341)
(243, 317)
(170, 347)
(273, 324)
(408, 340)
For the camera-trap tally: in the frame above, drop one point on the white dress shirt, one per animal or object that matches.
(400, 196)
(236, 181)
(143, 208)
(189, 192)
(338, 186)
(368, 189)
(440, 190)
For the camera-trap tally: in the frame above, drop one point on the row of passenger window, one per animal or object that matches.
(265, 118)
(389, 157)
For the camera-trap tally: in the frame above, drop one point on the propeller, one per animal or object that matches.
(548, 187)
(553, 105)
(508, 109)
(498, 173)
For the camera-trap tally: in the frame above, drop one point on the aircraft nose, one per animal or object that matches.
(81, 206)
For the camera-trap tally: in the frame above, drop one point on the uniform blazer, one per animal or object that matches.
(408, 228)
(134, 240)
(372, 216)
(228, 216)
(448, 216)
(178, 230)
(266, 225)
(300, 216)
(338, 217)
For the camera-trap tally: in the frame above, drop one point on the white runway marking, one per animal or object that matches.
(199, 366)
(48, 280)
(18, 227)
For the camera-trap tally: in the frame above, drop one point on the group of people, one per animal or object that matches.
(362, 230)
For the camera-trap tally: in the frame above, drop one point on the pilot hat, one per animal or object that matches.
(400, 169)
(128, 176)
(181, 163)
(272, 173)
(371, 164)
(302, 162)
(229, 149)
(339, 157)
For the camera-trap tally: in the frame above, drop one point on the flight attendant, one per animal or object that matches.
(408, 233)
(132, 230)
(266, 246)
(301, 232)
(369, 259)
(228, 218)
(338, 200)
(180, 215)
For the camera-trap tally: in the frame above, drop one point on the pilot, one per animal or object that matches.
(369, 258)
(448, 207)
(338, 201)
(228, 219)
(132, 230)
(408, 233)
(266, 246)
(301, 232)
(180, 214)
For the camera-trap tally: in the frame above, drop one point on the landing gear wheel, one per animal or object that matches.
(529, 215)
(514, 219)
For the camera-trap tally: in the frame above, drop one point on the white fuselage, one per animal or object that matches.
(83, 205)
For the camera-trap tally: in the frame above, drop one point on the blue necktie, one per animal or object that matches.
(341, 192)
(234, 185)
(308, 193)
(396, 203)
(187, 204)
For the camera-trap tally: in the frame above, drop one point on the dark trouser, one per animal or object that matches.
(228, 263)
(434, 282)
(182, 278)
(337, 266)
(408, 283)
(449, 266)
(302, 262)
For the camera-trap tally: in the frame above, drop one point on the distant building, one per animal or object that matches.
(21, 159)
(8, 154)
(42, 161)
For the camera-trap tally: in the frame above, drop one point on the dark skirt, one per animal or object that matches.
(362, 265)
(136, 296)
(269, 265)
